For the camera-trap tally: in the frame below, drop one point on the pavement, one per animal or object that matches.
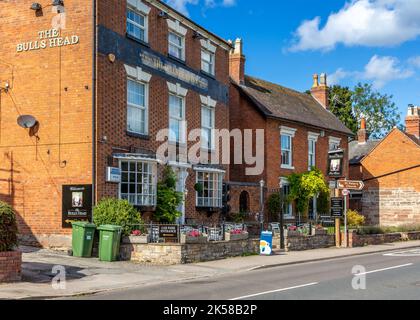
(89, 276)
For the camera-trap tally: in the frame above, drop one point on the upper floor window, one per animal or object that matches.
(208, 57)
(176, 46)
(176, 119)
(334, 143)
(137, 109)
(208, 122)
(207, 62)
(287, 135)
(312, 140)
(137, 20)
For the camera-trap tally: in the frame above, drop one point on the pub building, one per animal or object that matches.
(86, 87)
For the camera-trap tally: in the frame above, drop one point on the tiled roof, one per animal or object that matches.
(283, 103)
(357, 151)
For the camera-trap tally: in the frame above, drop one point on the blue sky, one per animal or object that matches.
(374, 41)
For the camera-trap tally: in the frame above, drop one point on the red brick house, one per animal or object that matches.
(390, 169)
(101, 79)
(299, 131)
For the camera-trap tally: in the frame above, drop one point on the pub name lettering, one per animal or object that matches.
(48, 39)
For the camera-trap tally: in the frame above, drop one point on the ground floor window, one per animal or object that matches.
(287, 207)
(138, 183)
(244, 202)
(210, 189)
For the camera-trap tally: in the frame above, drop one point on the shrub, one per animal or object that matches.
(355, 219)
(117, 212)
(168, 199)
(274, 206)
(8, 228)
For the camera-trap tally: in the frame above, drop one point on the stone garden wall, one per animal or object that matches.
(171, 254)
(301, 243)
(356, 240)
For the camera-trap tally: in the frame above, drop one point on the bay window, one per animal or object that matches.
(138, 183)
(210, 195)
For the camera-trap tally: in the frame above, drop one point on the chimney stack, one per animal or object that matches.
(412, 121)
(237, 62)
(320, 90)
(362, 134)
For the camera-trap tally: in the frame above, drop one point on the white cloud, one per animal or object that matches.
(182, 5)
(379, 70)
(415, 61)
(382, 70)
(362, 23)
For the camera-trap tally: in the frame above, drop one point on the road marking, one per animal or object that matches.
(274, 291)
(408, 253)
(385, 269)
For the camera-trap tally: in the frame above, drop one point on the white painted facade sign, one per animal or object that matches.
(48, 39)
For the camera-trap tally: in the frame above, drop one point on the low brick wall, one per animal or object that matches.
(10, 266)
(171, 254)
(301, 243)
(357, 240)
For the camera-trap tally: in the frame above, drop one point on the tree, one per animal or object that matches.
(341, 105)
(378, 109)
(305, 186)
(168, 199)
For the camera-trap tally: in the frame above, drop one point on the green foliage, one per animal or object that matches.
(198, 187)
(355, 219)
(8, 228)
(274, 205)
(116, 212)
(168, 199)
(378, 109)
(324, 203)
(237, 217)
(305, 186)
(341, 105)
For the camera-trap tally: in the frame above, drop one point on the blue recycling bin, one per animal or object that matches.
(266, 243)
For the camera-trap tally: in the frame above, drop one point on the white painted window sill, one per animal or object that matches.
(287, 167)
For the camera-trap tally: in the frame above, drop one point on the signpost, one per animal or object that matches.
(346, 186)
(169, 232)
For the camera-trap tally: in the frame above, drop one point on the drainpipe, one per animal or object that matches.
(94, 107)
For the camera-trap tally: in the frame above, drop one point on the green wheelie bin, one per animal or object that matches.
(82, 239)
(109, 242)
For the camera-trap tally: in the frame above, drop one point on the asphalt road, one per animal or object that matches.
(383, 276)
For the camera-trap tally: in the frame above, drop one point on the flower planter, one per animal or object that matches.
(193, 240)
(10, 266)
(236, 237)
(137, 239)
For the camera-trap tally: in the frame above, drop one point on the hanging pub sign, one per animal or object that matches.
(335, 163)
(77, 204)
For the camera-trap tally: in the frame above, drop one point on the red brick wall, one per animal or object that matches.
(32, 171)
(112, 106)
(392, 193)
(10, 266)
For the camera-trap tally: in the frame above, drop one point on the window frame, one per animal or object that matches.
(211, 146)
(145, 108)
(181, 120)
(212, 63)
(217, 201)
(179, 47)
(312, 141)
(289, 215)
(145, 28)
(152, 173)
(290, 133)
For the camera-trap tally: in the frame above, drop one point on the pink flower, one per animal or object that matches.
(136, 233)
(194, 234)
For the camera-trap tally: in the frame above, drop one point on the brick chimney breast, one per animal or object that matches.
(237, 62)
(362, 134)
(320, 90)
(412, 121)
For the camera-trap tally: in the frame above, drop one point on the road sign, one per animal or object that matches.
(350, 185)
(337, 207)
(346, 192)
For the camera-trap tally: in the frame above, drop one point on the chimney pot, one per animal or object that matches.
(320, 92)
(316, 83)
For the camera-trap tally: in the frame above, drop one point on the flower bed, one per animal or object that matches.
(137, 237)
(236, 235)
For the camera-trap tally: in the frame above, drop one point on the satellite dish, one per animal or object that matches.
(26, 121)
